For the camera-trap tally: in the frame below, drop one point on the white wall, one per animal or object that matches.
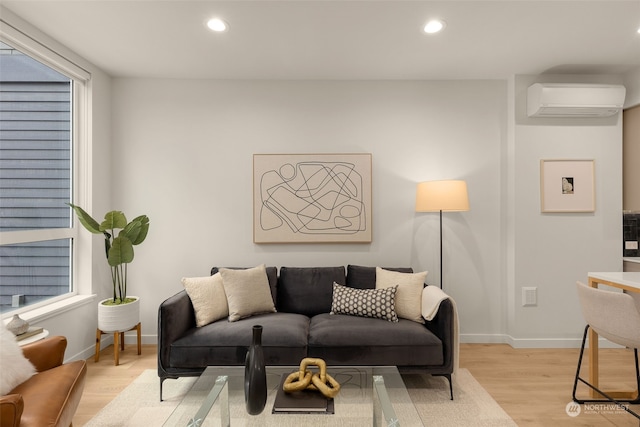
(182, 153)
(553, 251)
(183, 150)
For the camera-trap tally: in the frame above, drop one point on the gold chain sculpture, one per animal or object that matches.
(305, 379)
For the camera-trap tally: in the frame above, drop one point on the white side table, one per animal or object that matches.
(37, 337)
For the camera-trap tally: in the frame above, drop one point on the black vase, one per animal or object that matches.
(255, 376)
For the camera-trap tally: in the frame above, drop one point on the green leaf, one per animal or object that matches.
(86, 220)
(137, 229)
(107, 245)
(121, 251)
(112, 220)
(131, 231)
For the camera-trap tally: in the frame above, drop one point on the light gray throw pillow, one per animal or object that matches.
(247, 292)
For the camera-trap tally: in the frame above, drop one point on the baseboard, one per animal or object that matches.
(483, 339)
(529, 342)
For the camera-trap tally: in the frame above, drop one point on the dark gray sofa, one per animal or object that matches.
(302, 327)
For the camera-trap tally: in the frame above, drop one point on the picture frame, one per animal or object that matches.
(312, 198)
(567, 185)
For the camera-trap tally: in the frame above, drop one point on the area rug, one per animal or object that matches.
(139, 404)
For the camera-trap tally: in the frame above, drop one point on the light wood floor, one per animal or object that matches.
(532, 385)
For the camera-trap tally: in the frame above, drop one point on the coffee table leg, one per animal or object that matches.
(225, 420)
(389, 417)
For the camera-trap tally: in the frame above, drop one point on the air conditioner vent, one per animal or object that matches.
(574, 100)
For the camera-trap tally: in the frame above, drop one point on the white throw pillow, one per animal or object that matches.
(248, 292)
(14, 367)
(207, 297)
(409, 294)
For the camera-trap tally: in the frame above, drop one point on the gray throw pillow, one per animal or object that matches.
(207, 297)
(247, 292)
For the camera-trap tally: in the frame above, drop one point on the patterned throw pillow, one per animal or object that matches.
(377, 303)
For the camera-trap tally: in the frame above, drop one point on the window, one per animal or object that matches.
(38, 114)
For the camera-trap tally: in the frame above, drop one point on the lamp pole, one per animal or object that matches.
(441, 271)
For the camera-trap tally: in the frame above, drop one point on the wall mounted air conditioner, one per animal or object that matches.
(574, 100)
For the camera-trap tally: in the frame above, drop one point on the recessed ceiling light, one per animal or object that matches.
(434, 26)
(217, 25)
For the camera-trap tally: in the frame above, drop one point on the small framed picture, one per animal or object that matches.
(567, 186)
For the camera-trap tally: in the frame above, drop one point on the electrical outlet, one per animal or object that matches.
(631, 244)
(529, 296)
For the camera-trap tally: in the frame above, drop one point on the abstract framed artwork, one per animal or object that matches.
(312, 198)
(567, 186)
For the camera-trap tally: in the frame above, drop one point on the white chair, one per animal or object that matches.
(614, 316)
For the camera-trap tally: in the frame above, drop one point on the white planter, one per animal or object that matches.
(118, 318)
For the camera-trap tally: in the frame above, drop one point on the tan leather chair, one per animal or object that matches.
(51, 396)
(614, 316)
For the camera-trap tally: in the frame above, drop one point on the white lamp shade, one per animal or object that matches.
(447, 195)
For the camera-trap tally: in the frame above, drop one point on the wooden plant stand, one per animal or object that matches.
(118, 342)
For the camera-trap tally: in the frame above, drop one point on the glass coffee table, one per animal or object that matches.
(369, 396)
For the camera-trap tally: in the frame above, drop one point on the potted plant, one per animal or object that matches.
(120, 312)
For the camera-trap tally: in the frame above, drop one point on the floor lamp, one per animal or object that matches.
(442, 196)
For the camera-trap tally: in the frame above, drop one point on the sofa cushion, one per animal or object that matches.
(376, 303)
(409, 295)
(16, 369)
(365, 277)
(207, 297)
(349, 340)
(308, 290)
(247, 292)
(272, 275)
(284, 341)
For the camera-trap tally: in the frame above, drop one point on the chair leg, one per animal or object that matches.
(607, 397)
(575, 382)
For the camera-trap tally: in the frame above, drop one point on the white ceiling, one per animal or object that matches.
(343, 39)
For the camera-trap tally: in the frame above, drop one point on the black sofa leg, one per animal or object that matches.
(448, 377)
(161, 381)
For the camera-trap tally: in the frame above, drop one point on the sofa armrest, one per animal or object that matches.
(175, 317)
(47, 353)
(11, 407)
(442, 326)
